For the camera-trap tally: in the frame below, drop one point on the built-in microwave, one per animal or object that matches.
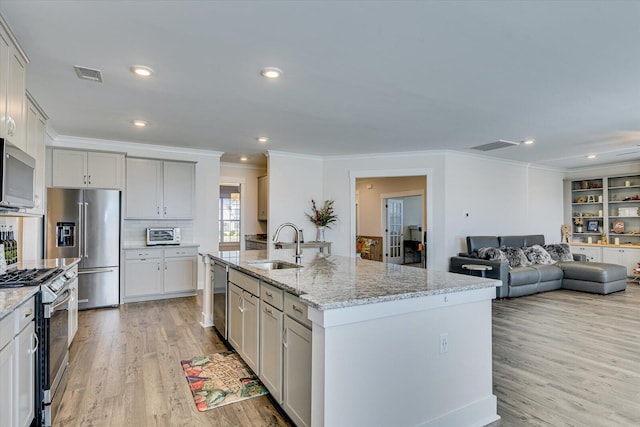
(163, 236)
(18, 177)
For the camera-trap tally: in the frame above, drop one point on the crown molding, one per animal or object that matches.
(293, 155)
(66, 141)
(242, 166)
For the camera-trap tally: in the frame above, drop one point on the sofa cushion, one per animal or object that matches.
(476, 242)
(512, 241)
(536, 254)
(520, 276)
(493, 254)
(593, 271)
(515, 257)
(559, 252)
(548, 272)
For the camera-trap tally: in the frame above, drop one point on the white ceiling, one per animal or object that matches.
(359, 77)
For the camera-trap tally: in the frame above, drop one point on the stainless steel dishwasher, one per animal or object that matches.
(220, 272)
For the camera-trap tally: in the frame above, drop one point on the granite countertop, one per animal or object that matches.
(143, 245)
(329, 282)
(10, 298)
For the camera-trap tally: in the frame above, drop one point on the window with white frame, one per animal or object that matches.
(229, 213)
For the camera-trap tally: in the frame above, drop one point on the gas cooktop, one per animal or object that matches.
(26, 277)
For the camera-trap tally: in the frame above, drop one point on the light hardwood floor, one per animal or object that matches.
(125, 370)
(561, 358)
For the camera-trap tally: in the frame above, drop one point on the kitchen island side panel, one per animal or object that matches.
(391, 371)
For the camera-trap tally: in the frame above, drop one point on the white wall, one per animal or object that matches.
(501, 197)
(205, 222)
(293, 181)
(247, 174)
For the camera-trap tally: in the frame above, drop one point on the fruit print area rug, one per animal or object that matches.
(220, 379)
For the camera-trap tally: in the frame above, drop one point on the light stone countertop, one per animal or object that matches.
(329, 282)
(11, 298)
(142, 245)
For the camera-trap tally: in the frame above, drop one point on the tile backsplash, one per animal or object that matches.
(134, 230)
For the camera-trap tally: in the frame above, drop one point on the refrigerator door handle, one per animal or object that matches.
(102, 270)
(84, 229)
(80, 229)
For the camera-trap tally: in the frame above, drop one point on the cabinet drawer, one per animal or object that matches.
(24, 314)
(295, 309)
(6, 329)
(246, 282)
(178, 252)
(143, 253)
(272, 295)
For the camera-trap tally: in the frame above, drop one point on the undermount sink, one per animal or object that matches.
(273, 265)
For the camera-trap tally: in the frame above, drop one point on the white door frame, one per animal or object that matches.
(397, 195)
(227, 180)
(353, 175)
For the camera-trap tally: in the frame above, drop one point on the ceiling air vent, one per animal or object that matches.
(88, 74)
(501, 143)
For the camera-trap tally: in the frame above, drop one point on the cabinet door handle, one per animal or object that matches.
(36, 344)
(84, 179)
(268, 311)
(158, 210)
(284, 338)
(269, 294)
(89, 179)
(158, 265)
(299, 310)
(28, 313)
(165, 210)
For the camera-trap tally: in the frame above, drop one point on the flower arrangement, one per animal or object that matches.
(578, 221)
(324, 216)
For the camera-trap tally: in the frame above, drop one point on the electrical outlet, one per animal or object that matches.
(444, 343)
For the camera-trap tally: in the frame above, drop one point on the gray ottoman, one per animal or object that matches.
(594, 277)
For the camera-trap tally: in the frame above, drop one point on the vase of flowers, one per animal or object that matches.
(579, 222)
(322, 217)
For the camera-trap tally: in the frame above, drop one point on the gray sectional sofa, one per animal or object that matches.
(567, 271)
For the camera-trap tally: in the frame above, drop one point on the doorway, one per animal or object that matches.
(390, 216)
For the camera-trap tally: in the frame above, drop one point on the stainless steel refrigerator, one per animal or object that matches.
(86, 224)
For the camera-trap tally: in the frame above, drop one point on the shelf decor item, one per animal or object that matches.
(322, 217)
(592, 226)
(579, 222)
(618, 227)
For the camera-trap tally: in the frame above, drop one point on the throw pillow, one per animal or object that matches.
(492, 254)
(559, 252)
(515, 257)
(537, 255)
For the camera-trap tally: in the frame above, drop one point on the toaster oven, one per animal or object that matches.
(163, 236)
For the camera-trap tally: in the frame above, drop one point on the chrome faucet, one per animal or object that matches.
(297, 230)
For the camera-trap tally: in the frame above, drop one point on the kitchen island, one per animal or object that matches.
(391, 345)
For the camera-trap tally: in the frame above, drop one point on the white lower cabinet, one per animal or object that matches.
(271, 324)
(7, 368)
(297, 372)
(243, 324)
(593, 253)
(73, 309)
(159, 273)
(629, 257)
(18, 348)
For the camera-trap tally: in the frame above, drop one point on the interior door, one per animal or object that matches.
(394, 236)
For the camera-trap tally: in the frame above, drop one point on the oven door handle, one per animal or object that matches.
(49, 309)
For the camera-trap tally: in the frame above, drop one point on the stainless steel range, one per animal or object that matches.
(54, 343)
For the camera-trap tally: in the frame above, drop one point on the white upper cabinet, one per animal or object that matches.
(35, 147)
(87, 169)
(160, 189)
(13, 71)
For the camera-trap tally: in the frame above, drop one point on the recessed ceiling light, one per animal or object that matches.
(139, 123)
(528, 141)
(243, 159)
(271, 72)
(591, 156)
(141, 70)
(262, 139)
